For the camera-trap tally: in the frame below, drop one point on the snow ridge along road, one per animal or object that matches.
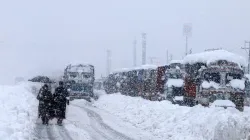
(100, 128)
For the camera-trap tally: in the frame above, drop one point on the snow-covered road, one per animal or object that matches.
(96, 128)
(84, 121)
(51, 132)
(118, 117)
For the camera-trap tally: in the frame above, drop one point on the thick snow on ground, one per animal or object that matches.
(19, 108)
(98, 124)
(238, 84)
(172, 122)
(212, 56)
(175, 82)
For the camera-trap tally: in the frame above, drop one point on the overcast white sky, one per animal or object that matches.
(41, 37)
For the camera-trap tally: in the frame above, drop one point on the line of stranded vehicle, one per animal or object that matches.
(213, 77)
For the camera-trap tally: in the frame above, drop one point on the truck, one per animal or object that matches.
(214, 77)
(79, 79)
(174, 85)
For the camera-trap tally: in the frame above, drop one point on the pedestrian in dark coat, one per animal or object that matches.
(60, 100)
(45, 98)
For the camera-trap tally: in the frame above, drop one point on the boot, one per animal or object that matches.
(59, 121)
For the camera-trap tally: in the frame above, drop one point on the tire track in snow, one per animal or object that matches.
(63, 132)
(101, 128)
(50, 132)
(95, 134)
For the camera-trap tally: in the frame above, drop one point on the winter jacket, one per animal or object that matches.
(60, 95)
(45, 98)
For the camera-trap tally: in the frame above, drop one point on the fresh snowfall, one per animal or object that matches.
(115, 117)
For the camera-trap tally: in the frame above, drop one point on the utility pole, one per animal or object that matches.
(144, 51)
(108, 62)
(135, 53)
(167, 56)
(247, 48)
(187, 32)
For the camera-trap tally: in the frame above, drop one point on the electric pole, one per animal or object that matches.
(135, 53)
(187, 32)
(167, 56)
(247, 48)
(108, 62)
(144, 51)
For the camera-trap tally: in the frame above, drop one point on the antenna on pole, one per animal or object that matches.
(134, 43)
(108, 62)
(144, 48)
(247, 48)
(187, 32)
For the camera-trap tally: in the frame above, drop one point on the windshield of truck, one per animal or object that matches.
(231, 76)
(73, 74)
(86, 75)
(214, 76)
(76, 87)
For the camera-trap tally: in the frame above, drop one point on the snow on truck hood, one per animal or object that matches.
(222, 103)
(211, 84)
(235, 83)
(212, 56)
(238, 84)
(175, 82)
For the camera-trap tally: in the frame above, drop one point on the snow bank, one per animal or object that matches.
(175, 82)
(206, 84)
(172, 122)
(19, 110)
(212, 56)
(238, 84)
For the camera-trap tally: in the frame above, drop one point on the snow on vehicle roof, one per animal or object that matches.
(135, 68)
(215, 55)
(77, 64)
(149, 67)
(176, 61)
(79, 68)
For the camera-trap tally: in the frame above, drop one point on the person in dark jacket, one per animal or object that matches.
(45, 98)
(60, 100)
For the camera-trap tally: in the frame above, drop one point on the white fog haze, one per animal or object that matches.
(41, 37)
